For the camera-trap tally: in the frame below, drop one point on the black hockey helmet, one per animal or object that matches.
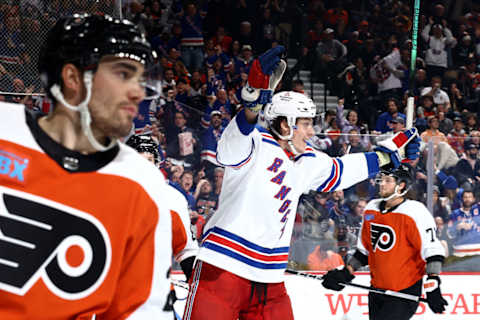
(144, 143)
(83, 39)
(404, 173)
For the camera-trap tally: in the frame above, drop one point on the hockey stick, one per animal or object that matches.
(413, 60)
(371, 289)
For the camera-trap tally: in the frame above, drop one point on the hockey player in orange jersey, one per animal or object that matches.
(85, 225)
(398, 241)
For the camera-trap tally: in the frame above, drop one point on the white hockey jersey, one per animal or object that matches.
(249, 235)
(398, 242)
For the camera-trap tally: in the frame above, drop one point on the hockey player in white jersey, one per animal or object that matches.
(240, 267)
(398, 241)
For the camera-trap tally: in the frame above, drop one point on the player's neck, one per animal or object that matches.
(393, 202)
(64, 127)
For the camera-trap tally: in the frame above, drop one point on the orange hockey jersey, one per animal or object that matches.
(79, 235)
(398, 243)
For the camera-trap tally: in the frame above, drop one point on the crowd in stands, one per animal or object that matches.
(360, 49)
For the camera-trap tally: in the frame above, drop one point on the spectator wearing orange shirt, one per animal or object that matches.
(323, 258)
(433, 132)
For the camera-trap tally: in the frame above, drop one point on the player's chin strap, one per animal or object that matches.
(288, 138)
(82, 107)
(396, 194)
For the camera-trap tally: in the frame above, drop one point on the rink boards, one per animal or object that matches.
(311, 301)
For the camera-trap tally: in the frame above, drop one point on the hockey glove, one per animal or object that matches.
(403, 145)
(264, 76)
(434, 296)
(333, 279)
(171, 299)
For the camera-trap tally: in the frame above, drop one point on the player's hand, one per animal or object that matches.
(265, 74)
(333, 279)
(434, 295)
(402, 146)
(171, 299)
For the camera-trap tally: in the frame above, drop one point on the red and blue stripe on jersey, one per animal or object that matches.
(238, 248)
(335, 177)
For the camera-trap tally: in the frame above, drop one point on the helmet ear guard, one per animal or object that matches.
(291, 105)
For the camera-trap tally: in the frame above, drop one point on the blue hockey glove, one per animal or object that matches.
(434, 296)
(402, 146)
(265, 74)
(333, 279)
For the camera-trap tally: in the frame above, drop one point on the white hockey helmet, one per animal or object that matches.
(291, 105)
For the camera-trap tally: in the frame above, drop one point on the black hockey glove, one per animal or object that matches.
(171, 299)
(434, 296)
(333, 279)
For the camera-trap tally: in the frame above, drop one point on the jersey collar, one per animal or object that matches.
(69, 160)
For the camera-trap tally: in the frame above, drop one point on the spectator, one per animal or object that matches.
(207, 201)
(440, 97)
(338, 208)
(437, 45)
(315, 35)
(266, 28)
(457, 135)
(315, 218)
(218, 180)
(168, 80)
(464, 227)
(421, 81)
(464, 51)
(433, 133)
(456, 97)
(468, 169)
(185, 186)
(330, 54)
(297, 86)
(183, 147)
(398, 124)
(246, 36)
(220, 103)
(192, 37)
(472, 124)
(426, 107)
(445, 157)
(324, 258)
(344, 237)
(349, 123)
(445, 124)
(384, 120)
(387, 73)
(244, 60)
(440, 209)
(354, 219)
(210, 139)
(221, 38)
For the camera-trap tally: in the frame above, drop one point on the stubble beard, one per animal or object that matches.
(112, 127)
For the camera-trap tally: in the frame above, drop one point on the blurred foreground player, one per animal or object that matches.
(240, 267)
(184, 244)
(399, 243)
(83, 218)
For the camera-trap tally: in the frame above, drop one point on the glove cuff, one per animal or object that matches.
(432, 283)
(250, 94)
(383, 158)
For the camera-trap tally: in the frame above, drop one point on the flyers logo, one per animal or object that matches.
(68, 249)
(382, 237)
